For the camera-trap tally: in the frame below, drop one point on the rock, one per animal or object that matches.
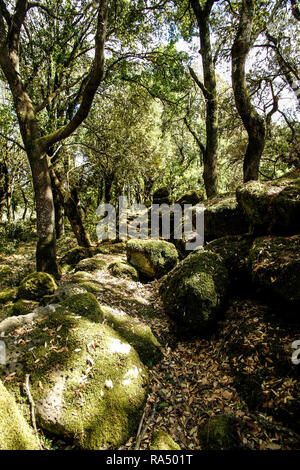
(86, 305)
(87, 382)
(7, 295)
(5, 272)
(109, 247)
(195, 291)
(191, 197)
(275, 269)
(161, 440)
(67, 290)
(96, 263)
(136, 333)
(153, 258)
(15, 433)
(36, 285)
(81, 276)
(222, 217)
(161, 196)
(234, 251)
(73, 256)
(121, 269)
(219, 433)
(272, 207)
(21, 307)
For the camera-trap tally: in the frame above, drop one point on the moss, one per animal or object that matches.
(97, 263)
(5, 272)
(15, 433)
(21, 307)
(219, 433)
(73, 256)
(195, 291)
(85, 305)
(275, 266)
(249, 388)
(161, 440)
(81, 276)
(108, 247)
(120, 269)
(223, 217)
(36, 285)
(87, 382)
(153, 258)
(136, 333)
(7, 295)
(272, 206)
(191, 197)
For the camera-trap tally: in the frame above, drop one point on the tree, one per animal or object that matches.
(36, 143)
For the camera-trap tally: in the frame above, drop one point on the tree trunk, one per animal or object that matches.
(253, 122)
(46, 244)
(59, 213)
(209, 89)
(72, 211)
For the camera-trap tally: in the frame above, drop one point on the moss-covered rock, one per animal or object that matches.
(87, 382)
(136, 333)
(272, 207)
(21, 307)
(234, 251)
(161, 196)
(109, 247)
(222, 217)
(153, 258)
(121, 269)
(85, 305)
(219, 433)
(96, 263)
(36, 285)
(81, 276)
(191, 197)
(7, 295)
(195, 291)
(161, 440)
(67, 290)
(15, 433)
(5, 273)
(73, 256)
(275, 269)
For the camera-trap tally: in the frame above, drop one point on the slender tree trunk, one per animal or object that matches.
(253, 122)
(72, 211)
(209, 89)
(59, 212)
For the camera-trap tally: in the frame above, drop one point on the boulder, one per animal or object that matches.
(87, 382)
(121, 269)
(272, 207)
(15, 433)
(36, 285)
(219, 433)
(222, 217)
(161, 196)
(234, 250)
(195, 291)
(21, 307)
(275, 268)
(7, 295)
(74, 255)
(86, 305)
(191, 197)
(161, 440)
(96, 263)
(136, 333)
(152, 258)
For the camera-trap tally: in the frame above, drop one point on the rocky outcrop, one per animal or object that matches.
(36, 285)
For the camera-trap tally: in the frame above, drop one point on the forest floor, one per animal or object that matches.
(244, 369)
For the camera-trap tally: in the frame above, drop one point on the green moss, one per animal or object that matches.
(5, 272)
(97, 263)
(73, 256)
(36, 285)
(15, 433)
(153, 258)
(87, 382)
(161, 440)
(191, 197)
(195, 291)
(85, 305)
(136, 333)
(22, 307)
(7, 295)
(120, 269)
(219, 433)
(81, 276)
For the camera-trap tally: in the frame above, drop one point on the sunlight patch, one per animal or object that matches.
(116, 346)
